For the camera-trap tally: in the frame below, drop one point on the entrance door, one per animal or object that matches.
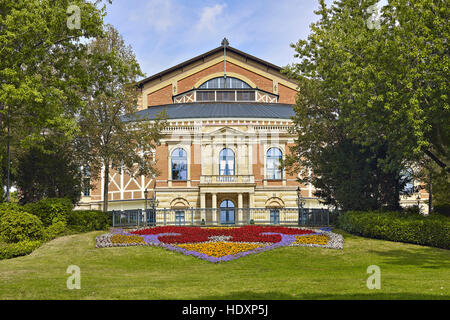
(227, 212)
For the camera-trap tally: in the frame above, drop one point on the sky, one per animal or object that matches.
(164, 33)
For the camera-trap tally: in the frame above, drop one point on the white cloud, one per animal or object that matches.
(209, 17)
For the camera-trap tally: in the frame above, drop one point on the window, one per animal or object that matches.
(226, 162)
(224, 83)
(179, 217)
(179, 164)
(245, 95)
(225, 95)
(407, 180)
(227, 212)
(273, 164)
(206, 96)
(274, 216)
(86, 181)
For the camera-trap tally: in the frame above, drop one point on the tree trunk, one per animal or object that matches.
(105, 186)
(430, 192)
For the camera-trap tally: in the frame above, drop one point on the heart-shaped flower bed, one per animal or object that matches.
(217, 244)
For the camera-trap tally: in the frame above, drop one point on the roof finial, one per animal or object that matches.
(225, 42)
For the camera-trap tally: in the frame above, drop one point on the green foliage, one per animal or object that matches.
(18, 225)
(433, 230)
(22, 248)
(48, 174)
(55, 230)
(6, 207)
(50, 210)
(107, 139)
(381, 89)
(443, 209)
(88, 220)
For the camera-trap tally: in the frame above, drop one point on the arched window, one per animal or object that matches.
(227, 212)
(224, 83)
(273, 164)
(226, 162)
(179, 164)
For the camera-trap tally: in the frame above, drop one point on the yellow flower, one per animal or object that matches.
(314, 239)
(120, 238)
(220, 249)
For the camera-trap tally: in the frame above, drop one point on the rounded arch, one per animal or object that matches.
(229, 74)
(179, 164)
(274, 202)
(227, 162)
(227, 203)
(179, 203)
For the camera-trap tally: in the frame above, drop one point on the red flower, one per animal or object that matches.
(239, 234)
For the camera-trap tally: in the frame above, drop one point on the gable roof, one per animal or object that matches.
(206, 54)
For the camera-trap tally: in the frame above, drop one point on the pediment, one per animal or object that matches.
(226, 131)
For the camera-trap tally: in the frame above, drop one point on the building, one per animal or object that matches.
(229, 115)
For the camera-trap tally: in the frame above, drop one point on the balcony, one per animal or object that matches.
(236, 179)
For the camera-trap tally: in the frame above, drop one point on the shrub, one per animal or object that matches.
(11, 250)
(88, 220)
(443, 209)
(50, 210)
(9, 207)
(17, 226)
(432, 230)
(55, 230)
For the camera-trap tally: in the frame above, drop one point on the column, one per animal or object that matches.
(202, 206)
(240, 205)
(214, 208)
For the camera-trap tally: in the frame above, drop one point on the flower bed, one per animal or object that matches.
(216, 244)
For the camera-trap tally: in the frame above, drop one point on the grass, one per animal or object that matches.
(407, 272)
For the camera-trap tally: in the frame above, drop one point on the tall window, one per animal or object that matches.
(226, 162)
(273, 164)
(224, 83)
(86, 181)
(179, 164)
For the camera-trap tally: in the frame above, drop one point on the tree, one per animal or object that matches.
(107, 139)
(383, 89)
(41, 73)
(48, 174)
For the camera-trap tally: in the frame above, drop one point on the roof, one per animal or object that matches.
(217, 110)
(206, 54)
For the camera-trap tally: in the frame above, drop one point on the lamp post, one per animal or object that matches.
(300, 203)
(145, 196)
(153, 204)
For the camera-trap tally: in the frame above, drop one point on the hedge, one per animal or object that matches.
(22, 248)
(432, 230)
(17, 226)
(88, 220)
(50, 210)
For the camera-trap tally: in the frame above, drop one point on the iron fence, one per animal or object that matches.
(222, 216)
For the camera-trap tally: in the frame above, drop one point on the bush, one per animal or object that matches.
(9, 207)
(17, 226)
(443, 209)
(50, 210)
(55, 230)
(88, 220)
(432, 230)
(11, 250)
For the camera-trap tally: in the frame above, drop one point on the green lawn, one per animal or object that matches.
(407, 272)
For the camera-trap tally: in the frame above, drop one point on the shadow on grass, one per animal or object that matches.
(273, 295)
(431, 258)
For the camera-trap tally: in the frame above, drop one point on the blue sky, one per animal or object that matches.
(164, 33)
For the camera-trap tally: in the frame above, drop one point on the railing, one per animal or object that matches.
(220, 216)
(227, 179)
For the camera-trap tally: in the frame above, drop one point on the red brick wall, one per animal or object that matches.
(189, 82)
(161, 96)
(286, 95)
